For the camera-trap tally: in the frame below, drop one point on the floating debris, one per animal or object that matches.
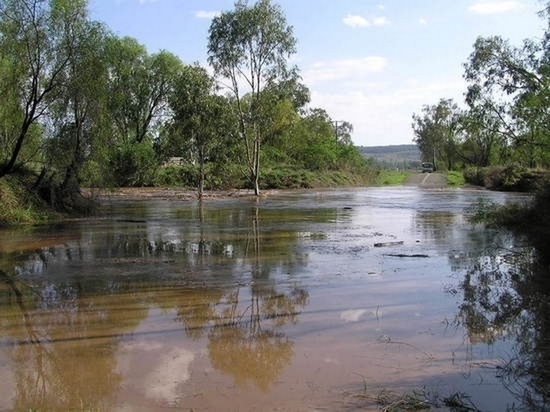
(382, 244)
(403, 255)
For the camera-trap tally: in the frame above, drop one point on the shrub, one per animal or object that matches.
(134, 165)
(285, 179)
(455, 178)
(507, 178)
(475, 176)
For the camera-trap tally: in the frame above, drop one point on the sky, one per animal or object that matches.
(373, 63)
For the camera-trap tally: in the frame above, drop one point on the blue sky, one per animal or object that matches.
(370, 62)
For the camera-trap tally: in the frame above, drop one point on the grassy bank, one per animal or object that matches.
(19, 205)
(386, 177)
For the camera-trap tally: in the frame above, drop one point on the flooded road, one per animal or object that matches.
(298, 301)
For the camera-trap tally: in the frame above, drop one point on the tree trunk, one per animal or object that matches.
(256, 174)
(201, 177)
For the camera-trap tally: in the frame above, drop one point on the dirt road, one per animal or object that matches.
(427, 180)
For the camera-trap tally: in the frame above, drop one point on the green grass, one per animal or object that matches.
(455, 178)
(18, 205)
(391, 177)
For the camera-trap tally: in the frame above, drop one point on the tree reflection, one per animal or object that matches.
(225, 275)
(244, 323)
(506, 295)
(247, 341)
(63, 345)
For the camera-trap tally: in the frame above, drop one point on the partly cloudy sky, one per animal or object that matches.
(372, 63)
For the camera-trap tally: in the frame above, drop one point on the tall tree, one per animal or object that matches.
(33, 56)
(479, 137)
(511, 84)
(199, 115)
(249, 47)
(435, 132)
(76, 119)
(139, 88)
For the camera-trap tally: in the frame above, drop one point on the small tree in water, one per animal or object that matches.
(249, 47)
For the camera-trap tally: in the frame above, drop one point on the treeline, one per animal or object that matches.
(84, 107)
(502, 136)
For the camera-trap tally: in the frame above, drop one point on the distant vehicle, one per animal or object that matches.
(427, 167)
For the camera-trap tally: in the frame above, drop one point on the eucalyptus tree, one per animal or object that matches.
(315, 146)
(248, 47)
(512, 85)
(343, 131)
(436, 130)
(199, 117)
(479, 139)
(33, 57)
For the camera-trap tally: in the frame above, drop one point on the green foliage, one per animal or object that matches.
(218, 176)
(284, 178)
(436, 132)
(90, 108)
(475, 176)
(455, 178)
(19, 206)
(133, 165)
(390, 177)
(178, 175)
(505, 177)
(507, 117)
(250, 45)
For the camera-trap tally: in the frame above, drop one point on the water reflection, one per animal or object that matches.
(166, 304)
(506, 297)
(66, 307)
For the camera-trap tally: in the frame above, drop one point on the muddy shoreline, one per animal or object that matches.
(432, 180)
(167, 193)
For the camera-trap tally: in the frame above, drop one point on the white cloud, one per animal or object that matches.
(422, 21)
(380, 21)
(355, 21)
(205, 14)
(342, 69)
(496, 7)
(383, 115)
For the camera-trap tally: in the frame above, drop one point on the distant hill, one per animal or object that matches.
(404, 156)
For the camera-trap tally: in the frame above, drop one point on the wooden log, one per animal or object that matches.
(382, 244)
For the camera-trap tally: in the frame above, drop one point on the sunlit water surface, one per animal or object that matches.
(297, 301)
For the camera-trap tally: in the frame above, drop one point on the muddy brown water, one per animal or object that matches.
(282, 303)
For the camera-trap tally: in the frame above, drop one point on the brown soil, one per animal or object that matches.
(129, 193)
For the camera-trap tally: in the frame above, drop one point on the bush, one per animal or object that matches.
(285, 179)
(455, 178)
(505, 178)
(134, 165)
(475, 176)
